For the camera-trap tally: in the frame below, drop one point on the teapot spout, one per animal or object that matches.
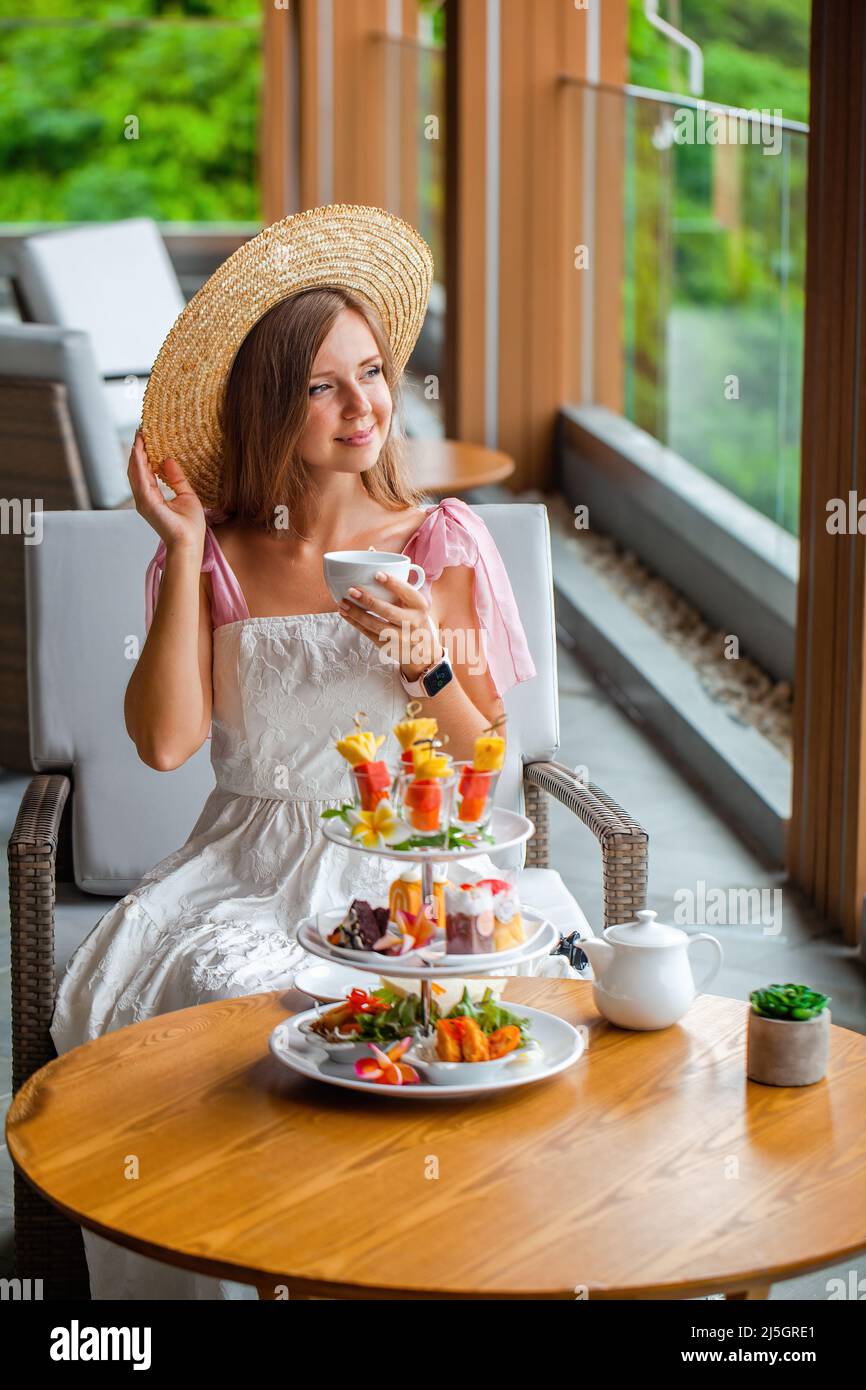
(600, 954)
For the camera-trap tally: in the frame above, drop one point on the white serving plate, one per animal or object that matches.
(508, 828)
(330, 983)
(560, 1045)
(313, 930)
(433, 951)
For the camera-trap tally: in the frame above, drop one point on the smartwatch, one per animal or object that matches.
(431, 681)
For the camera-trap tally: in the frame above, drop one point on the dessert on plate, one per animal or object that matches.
(508, 922)
(361, 927)
(367, 928)
(469, 919)
(404, 892)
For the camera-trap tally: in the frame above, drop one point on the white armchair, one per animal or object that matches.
(117, 283)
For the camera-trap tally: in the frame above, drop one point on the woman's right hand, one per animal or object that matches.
(180, 520)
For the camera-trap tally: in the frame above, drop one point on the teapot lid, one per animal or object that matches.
(646, 931)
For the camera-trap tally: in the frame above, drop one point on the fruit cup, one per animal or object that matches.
(475, 793)
(426, 802)
(372, 783)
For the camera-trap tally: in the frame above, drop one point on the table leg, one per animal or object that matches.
(760, 1291)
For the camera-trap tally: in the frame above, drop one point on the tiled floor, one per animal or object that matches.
(688, 844)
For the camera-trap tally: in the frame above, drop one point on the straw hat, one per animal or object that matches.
(374, 254)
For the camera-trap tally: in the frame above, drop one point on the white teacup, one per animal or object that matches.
(354, 569)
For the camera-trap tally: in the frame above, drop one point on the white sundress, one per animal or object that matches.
(216, 918)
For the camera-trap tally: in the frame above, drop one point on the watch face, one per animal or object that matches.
(434, 680)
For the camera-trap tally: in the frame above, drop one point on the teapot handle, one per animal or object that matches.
(715, 967)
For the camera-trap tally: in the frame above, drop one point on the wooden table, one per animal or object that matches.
(448, 466)
(649, 1169)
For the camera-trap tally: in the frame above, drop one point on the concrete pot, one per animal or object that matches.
(788, 1052)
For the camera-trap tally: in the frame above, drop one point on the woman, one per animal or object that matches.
(243, 636)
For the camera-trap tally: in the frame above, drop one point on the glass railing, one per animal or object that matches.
(414, 121)
(690, 302)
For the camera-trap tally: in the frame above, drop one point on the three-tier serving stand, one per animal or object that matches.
(506, 829)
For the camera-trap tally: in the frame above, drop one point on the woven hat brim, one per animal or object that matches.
(368, 251)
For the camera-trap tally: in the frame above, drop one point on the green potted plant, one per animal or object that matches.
(789, 1035)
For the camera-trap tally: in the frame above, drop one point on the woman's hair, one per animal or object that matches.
(265, 406)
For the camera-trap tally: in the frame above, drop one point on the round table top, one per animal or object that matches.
(651, 1168)
(450, 465)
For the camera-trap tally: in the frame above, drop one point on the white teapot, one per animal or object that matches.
(643, 976)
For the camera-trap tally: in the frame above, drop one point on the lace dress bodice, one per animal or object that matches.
(284, 690)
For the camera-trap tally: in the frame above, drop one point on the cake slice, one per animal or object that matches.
(469, 920)
(361, 927)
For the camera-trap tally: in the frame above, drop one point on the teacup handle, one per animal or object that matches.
(715, 968)
(419, 580)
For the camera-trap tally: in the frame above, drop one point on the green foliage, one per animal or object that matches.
(756, 52)
(721, 230)
(70, 94)
(796, 1003)
(436, 8)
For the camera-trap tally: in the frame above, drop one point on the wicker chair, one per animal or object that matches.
(51, 860)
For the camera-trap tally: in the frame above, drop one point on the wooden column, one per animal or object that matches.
(465, 243)
(359, 101)
(537, 355)
(278, 162)
(310, 131)
(827, 841)
(342, 99)
(409, 134)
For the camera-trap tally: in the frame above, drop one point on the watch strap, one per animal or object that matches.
(417, 688)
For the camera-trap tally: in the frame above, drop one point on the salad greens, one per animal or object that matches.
(489, 1014)
(403, 1016)
(455, 838)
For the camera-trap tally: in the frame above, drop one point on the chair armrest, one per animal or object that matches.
(624, 842)
(48, 1246)
(32, 856)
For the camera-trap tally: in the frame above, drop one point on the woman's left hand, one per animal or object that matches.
(404, 628)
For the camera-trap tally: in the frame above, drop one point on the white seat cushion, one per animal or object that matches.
(544, 889)
(115, 280)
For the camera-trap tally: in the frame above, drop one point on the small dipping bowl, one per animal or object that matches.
(346, 1053)
(422, 1056)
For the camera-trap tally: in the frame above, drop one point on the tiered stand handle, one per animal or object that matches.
(508, 829)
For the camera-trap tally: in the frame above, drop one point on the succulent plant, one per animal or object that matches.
(792, 1002)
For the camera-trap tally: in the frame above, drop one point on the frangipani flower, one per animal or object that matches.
(379, 827)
